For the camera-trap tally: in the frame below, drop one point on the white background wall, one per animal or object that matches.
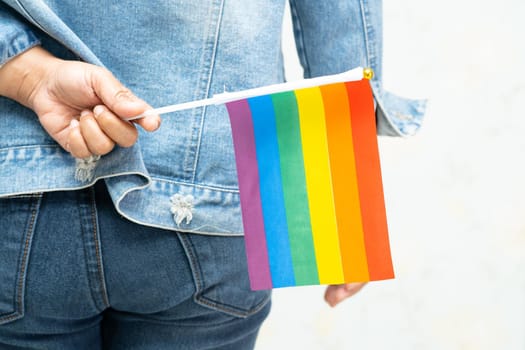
(454, 193)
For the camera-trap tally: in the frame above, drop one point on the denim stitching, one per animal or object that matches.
(299, 39)
(29, 16)
(202, 300)
(366, 26)
(97, 248)
(193, 262)
(208, 86)
(33, 21)
(232, 310)
(23, 264)
(87, 217)
(203, 87)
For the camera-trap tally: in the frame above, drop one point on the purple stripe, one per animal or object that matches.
(248, 175)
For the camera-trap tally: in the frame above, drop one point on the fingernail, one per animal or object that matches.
(152, 124)
(84, 113)
(73, 123)
(98, 110)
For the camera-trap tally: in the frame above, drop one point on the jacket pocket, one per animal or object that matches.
(17, 222)
(220, 273)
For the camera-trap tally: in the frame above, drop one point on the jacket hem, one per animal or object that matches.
(138, 196)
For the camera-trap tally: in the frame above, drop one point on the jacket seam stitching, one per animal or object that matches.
(365, 31)
(208, 87)
(299, 39)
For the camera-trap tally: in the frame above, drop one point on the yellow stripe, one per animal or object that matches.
(318, 183)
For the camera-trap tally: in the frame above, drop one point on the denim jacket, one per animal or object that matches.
(181, 177)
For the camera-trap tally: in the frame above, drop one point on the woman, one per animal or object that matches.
(120, 237)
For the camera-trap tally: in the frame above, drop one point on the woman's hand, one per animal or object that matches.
(336, 293)
(81, 106)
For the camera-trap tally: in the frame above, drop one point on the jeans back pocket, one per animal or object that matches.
(17, 221)
(221, 275)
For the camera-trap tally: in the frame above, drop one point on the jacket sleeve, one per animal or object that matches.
(334, 36)
(16, 35)
(338, 35)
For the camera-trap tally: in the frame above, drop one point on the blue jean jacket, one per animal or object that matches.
(183, 176)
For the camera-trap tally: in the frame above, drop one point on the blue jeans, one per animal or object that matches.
(75, 275)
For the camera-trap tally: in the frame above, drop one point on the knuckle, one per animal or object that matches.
(127, 143)
(102, 147)
(80, 153)
(98, 76)
(124, 95)
(102, 72)
(104, 117)
(85, 121)
(76, 145)
(130, 139)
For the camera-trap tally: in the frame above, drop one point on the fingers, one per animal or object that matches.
(120, 131)
(75, 143)
(96, 140)
(121, 101)
(337, 293)
(149, 123)
(97, 133)
(70, 88)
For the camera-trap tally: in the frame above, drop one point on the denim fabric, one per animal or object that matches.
(178, 51)
(76, 275)
(16, 37)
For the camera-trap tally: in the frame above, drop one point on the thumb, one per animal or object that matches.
(338, 292)
(120, 100)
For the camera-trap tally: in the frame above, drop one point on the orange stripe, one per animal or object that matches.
(344, 182)
(369, 180)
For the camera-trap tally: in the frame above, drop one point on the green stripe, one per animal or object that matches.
(294, 188)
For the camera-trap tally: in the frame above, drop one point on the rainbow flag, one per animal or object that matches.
(309, 180)
(310, 184)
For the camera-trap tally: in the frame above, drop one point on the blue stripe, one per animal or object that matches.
(272, 198)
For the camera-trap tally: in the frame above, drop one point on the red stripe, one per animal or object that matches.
(369, 180)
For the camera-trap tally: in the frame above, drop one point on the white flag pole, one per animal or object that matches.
(351, 75)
